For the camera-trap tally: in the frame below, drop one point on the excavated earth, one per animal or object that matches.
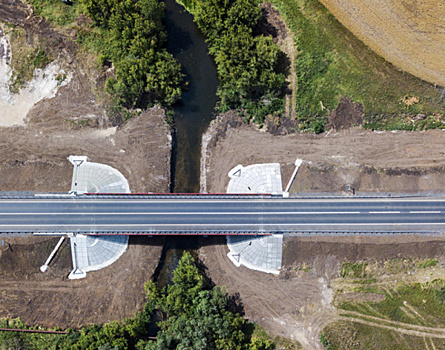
(33, 157)
(297, 304)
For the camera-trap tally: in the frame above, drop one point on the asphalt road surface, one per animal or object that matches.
(202, 215)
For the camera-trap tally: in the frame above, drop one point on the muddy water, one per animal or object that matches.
(194, 113)
(192, 116)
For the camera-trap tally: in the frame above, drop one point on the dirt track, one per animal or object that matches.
(35, 158)
(410, 34)
(283, 306)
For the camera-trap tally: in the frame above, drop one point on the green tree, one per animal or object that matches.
(99, 10)
(129, 84)
(144, 72)
(164, 79)
(197, 315)
(248, 65)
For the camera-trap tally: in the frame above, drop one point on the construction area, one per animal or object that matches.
(296, 300)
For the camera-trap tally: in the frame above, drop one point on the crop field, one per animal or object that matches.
(409, 34)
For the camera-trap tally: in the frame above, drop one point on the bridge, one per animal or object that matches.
(98, 225)
(129, 214)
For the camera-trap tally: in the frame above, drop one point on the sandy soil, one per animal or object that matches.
(298, 303)
(33, 157)
(44, 85)
(410, 34)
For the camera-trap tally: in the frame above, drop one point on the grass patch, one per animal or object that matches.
(279, 342)
(415, 304)
(354, 336)
(26, 58)
(428, 263)
(332, 63)
(426, 300)
(56, 12)
(355, 270)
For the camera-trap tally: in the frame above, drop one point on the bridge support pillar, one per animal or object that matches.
(78, 255)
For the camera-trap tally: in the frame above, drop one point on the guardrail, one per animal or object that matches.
(31, 195)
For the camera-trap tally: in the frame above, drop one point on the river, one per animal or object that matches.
(192, 117)
(194, 113)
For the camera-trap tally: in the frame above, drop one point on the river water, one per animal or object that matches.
(194, 113)
(192, 117)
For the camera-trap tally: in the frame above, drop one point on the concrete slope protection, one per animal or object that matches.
(225, 215)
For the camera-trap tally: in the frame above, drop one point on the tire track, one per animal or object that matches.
(430, 330)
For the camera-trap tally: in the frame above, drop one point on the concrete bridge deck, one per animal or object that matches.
(213, 214)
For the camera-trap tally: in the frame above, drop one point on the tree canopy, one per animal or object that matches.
(145, 73)
(196, 315)
(249, 66)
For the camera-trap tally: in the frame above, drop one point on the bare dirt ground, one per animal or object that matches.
(410, 34)
(50, 299)
(409, 162)
(33, 157)
(298, 304)
(283, 305)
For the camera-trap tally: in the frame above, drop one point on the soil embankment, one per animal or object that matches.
(33, 157)
(50, 299)
(408, 162)
(298, 303)
(409, 34)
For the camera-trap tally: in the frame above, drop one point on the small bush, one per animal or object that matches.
(325, 342)
(428, 263)
(355, 270)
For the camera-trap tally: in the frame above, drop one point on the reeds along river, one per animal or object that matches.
(194, 113)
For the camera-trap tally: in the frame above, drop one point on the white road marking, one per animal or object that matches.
(259, 227)
(222, 200)
(195, 213)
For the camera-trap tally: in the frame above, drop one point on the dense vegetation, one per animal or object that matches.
(330, 62)
(196, 315)
(136, 46)
(249, 66)
(131, 35)
(189, 313)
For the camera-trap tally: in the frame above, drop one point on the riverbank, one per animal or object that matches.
(73, 120)
(298, 303)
